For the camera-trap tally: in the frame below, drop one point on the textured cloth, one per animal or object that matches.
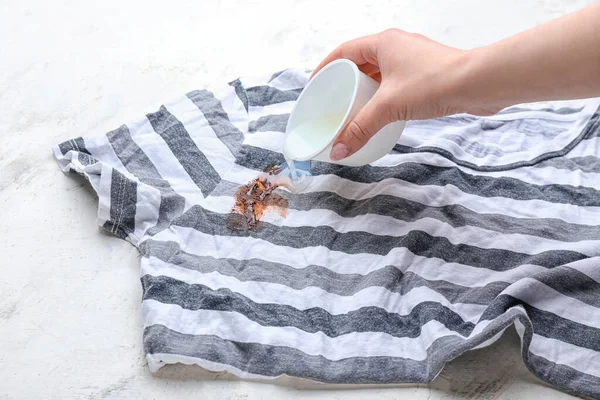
(378, 274)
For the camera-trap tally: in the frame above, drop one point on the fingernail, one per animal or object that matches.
(339, 151)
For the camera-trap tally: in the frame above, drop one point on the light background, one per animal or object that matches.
(70, 324)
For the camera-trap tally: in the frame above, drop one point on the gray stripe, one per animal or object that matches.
(356, 242)
(111, 226)
(133, 157)
(591, 130)
(273, 361)
(261, 96)
(76, 144)
(566, 378)
(275, 75)
(585, 164)
(475, 148)
(257, 158)
(137, 162)
(194, 297)
(548, 324)
(185, 150)
(484, 186)
(551, 326)
(454, 119)
(454, 215)
(562, 376)
(86, 159)
(389, 277)
(420, 174)
(251, 157)
(226, 188)
(570, 282)
(270, 123)
(538, 128)
(240, 92)
(213, 111)
(411, 211)
(123, 201)
(492, 125)
(471, 128)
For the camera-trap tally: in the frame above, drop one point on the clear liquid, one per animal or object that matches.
(296, 175)
(305, 141)
(311, 137)
(293, 172)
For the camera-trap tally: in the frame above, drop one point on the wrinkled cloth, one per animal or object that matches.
(378, 274)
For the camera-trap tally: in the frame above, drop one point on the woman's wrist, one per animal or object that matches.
(472, 88)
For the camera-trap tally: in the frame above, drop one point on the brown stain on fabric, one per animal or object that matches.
(252, 201)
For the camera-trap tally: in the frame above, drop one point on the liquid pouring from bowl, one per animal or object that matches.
(328, 102)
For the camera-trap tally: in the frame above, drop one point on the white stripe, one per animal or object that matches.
(432, 195)
(534, 114)
(237, 327)
(439, 196)
(520, 328)
(584, 360)
(99, 175)
(543, 297)
(588, 147)
(291, 79)
(93, 172)
(539, 106)
(104, 194)
(254, 113)
(310, 297)
(101, 149)
(242, 175)
(233, 106)
(219, 204)
(63, 161)
(255, 80)
(473, 236)
(244, 248)
(589, 267)
(202, 134)
(268, 140)
(536, 176)
(490, 341)
(384, 225)
(146, 209)
(418, 134)
(159, 153)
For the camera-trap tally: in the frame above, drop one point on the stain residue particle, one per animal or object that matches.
(253, 200)
(272, 169)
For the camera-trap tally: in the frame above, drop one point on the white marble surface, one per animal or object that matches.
(70, 323)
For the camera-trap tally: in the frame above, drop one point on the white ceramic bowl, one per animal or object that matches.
(335, 95)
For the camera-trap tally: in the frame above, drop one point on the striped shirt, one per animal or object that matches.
(378, 274)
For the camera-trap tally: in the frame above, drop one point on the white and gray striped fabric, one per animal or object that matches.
(378, 274)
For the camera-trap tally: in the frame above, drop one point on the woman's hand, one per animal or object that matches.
(416, 83)
(421, 79)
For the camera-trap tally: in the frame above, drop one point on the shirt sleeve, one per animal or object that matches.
(150, 171)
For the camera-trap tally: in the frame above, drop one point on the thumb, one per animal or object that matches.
(369, 120)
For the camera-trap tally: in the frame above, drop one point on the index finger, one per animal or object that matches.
(360, 51)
